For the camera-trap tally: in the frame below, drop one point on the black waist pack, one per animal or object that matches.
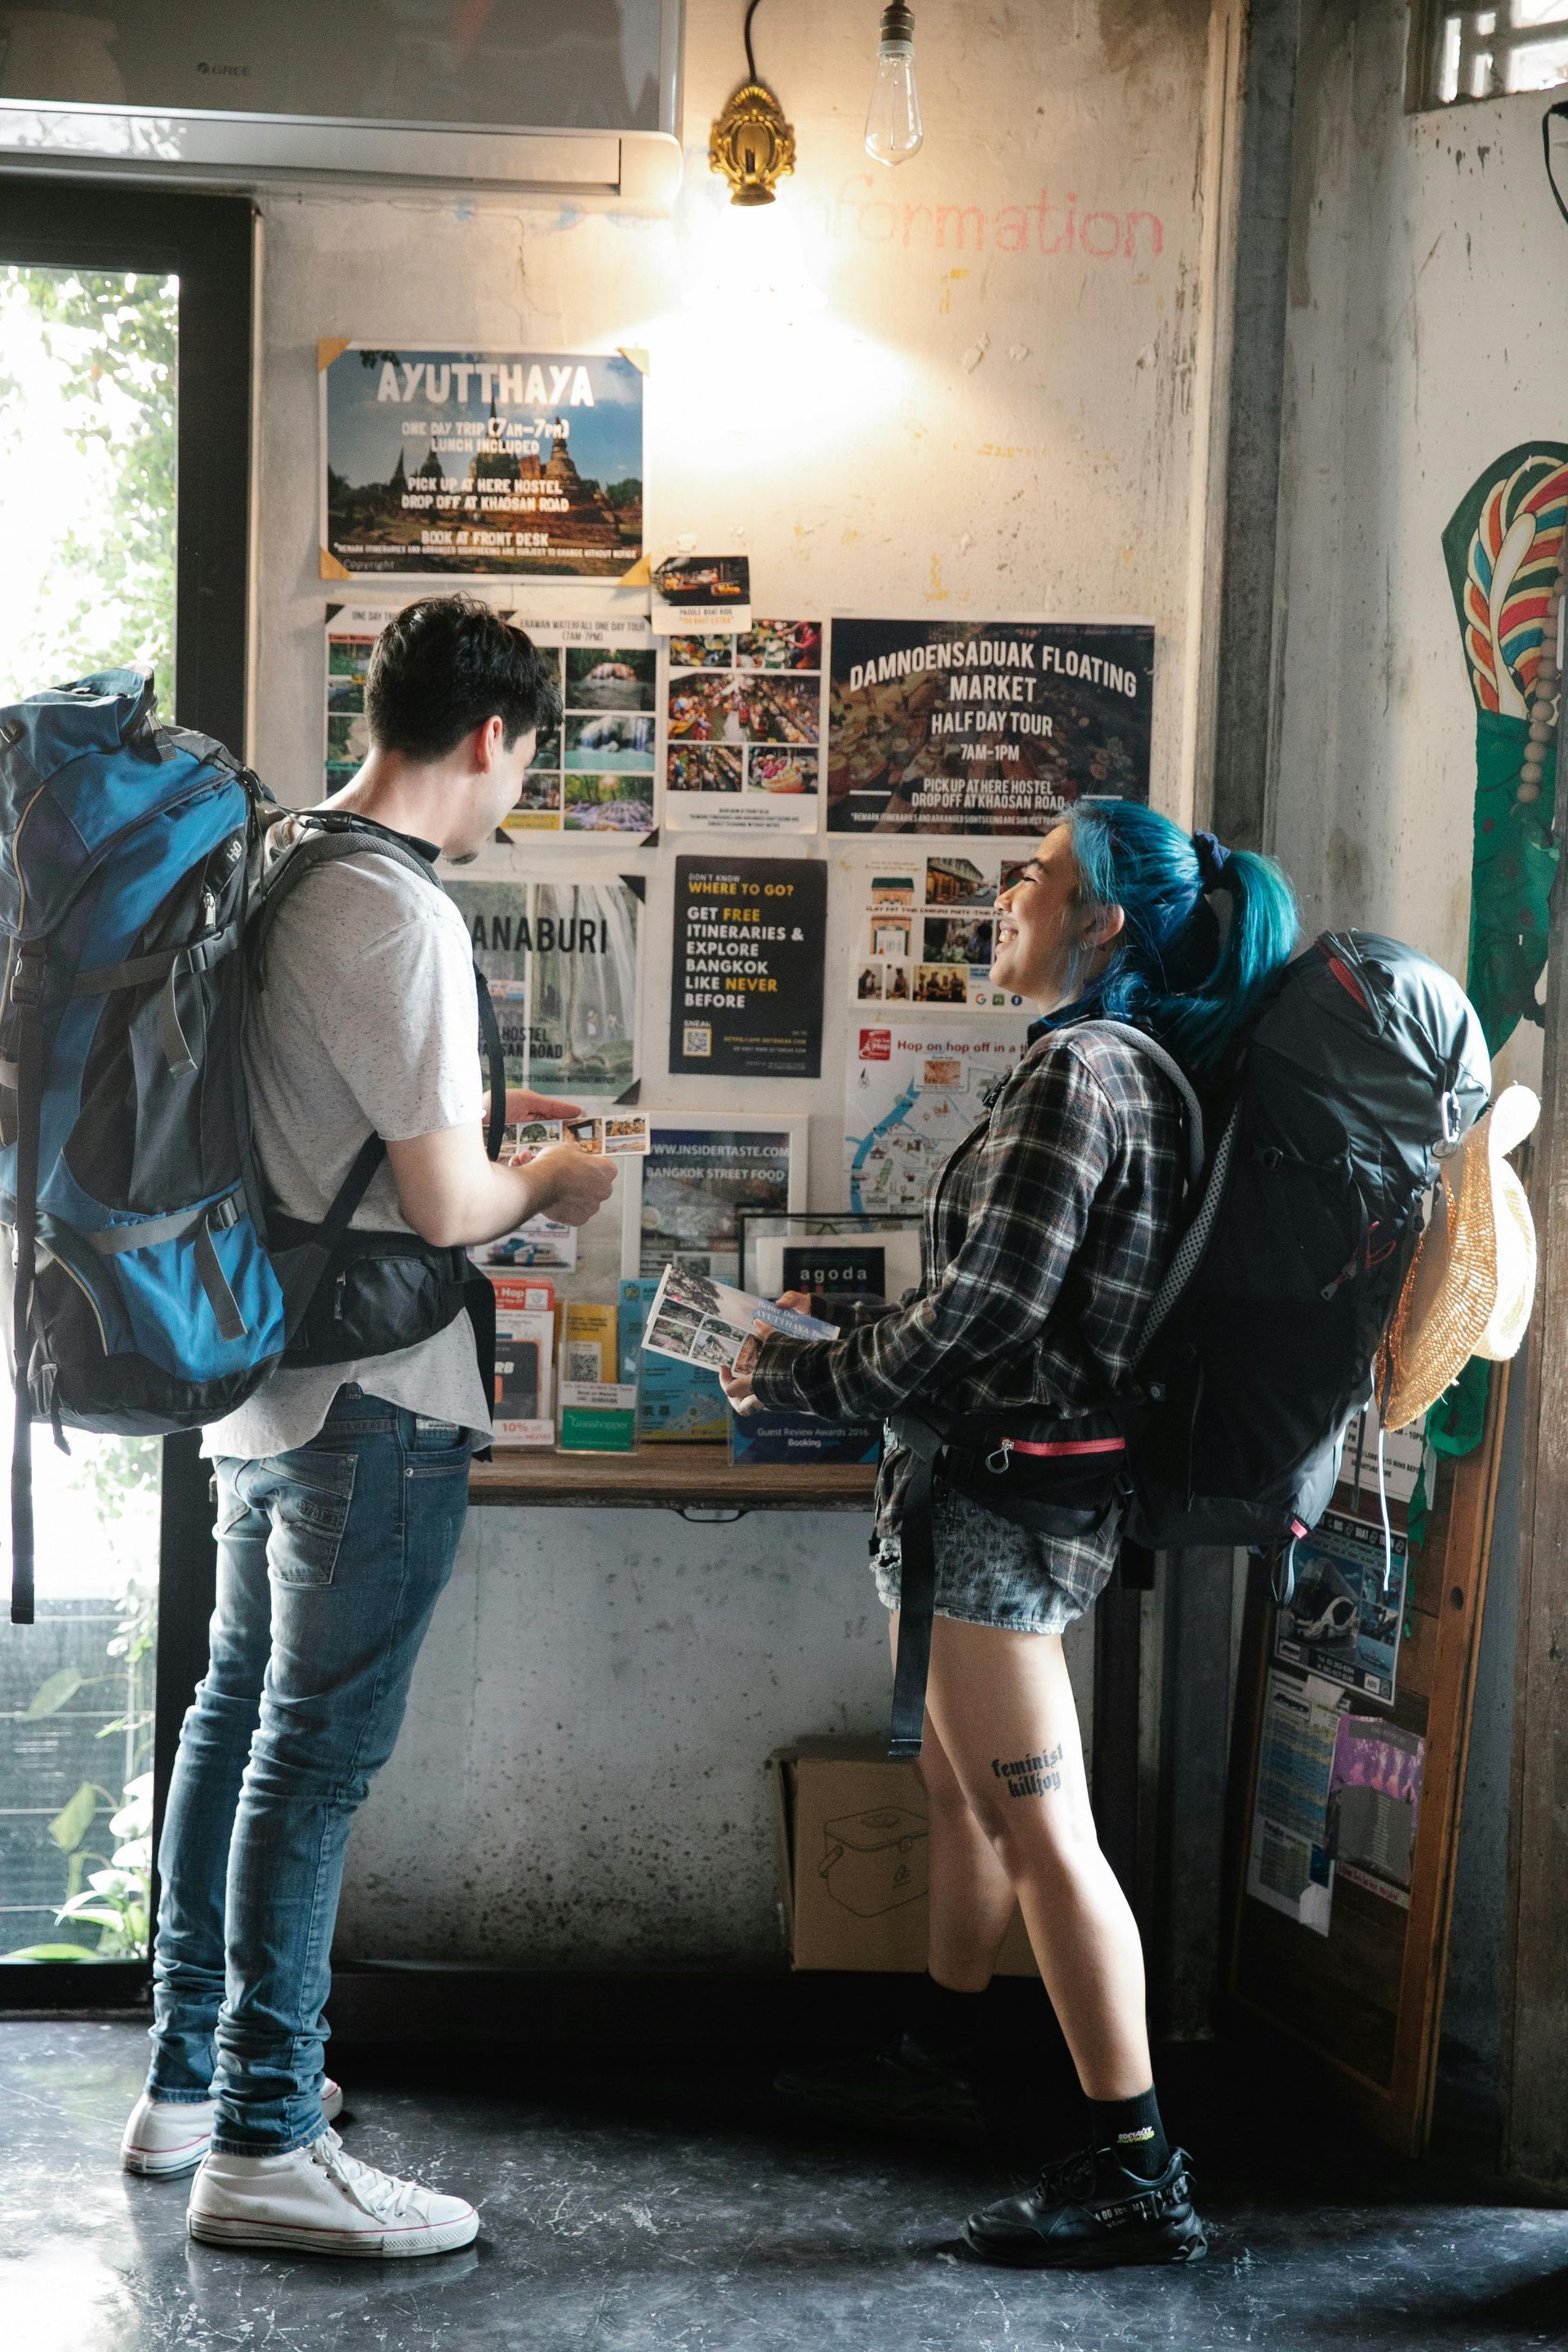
(1054, 1476)
(373, 1293)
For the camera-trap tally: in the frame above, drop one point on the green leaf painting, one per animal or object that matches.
(1504, 548)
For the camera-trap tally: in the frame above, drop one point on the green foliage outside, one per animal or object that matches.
(88, 473)
(88, 381)
(107, 1894)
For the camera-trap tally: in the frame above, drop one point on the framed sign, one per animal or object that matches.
(680, 1205)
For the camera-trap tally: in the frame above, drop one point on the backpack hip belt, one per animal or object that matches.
(1054, 1476)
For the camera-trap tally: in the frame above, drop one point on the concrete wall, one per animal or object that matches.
(1427, 334)
(1001, 410)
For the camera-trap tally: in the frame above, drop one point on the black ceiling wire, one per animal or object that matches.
(750, 60)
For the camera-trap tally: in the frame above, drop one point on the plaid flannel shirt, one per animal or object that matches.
(1046, 1236)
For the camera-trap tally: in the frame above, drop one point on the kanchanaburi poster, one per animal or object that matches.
(983, 726)
(439, 461)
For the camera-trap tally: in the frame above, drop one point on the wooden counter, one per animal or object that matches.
(671, 1479)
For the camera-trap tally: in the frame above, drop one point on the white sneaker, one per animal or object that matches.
(319, 2201)
(167, 2136)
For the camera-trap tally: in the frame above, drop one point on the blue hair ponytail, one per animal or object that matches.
(1176, 970)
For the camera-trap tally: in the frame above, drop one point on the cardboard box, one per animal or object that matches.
(852, 1857)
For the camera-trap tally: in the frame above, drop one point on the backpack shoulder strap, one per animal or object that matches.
(1167, 1064)
(335, 834)
(329, 838)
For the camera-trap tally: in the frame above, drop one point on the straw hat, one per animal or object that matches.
(1469, 1290)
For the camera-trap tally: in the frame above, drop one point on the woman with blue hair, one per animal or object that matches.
(1046, 1236)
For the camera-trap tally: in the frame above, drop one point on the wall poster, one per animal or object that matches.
(1289, 1863)
(746, 987)
(560, 958)
(925, 936)
(1340, 1623)
(593, 775)
(744, 729)
(1375, 1804)
(441, 460)
(988, 727)
(680, 1203)
(912, 1092)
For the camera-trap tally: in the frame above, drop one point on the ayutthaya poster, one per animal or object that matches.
(439, 461)
(987, 727)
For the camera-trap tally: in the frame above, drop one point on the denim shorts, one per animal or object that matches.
(990, 1573)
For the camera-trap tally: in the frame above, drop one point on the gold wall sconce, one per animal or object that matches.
(751, 145)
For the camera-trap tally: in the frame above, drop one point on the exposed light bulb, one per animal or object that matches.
(893, 125)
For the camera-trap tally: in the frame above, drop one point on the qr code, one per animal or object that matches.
(696, 1039)
(582, 1361)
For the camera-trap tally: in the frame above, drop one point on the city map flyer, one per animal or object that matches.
(1504, 547)
(989, 727)
(436, 460)
(912, 1092)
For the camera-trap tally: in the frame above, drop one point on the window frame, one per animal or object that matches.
(208, 242)
(1426, 21)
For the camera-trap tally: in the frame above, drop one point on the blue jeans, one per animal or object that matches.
(331, 1560)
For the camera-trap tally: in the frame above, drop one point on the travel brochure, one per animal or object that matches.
(610, 1134)
(699, 1321)
(442, 461)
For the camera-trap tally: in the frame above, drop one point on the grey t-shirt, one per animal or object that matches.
(365, 1020)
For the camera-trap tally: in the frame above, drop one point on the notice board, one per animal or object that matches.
(1350, 1742)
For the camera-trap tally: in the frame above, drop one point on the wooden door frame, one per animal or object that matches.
(1534, 1994)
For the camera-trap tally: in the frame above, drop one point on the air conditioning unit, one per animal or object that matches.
(579, 99)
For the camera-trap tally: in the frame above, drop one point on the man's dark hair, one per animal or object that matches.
(443, 665)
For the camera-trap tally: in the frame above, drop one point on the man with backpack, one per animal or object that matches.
(342, 1483)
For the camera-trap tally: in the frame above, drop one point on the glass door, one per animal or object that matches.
(89, 390)
(125, 322)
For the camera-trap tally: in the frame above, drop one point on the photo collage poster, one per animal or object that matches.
(743, 729)
(594, 776)
(926, 932)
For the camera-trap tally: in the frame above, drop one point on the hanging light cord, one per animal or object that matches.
(1560, 108)
(750, 60)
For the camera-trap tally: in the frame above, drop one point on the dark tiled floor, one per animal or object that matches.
(622, 2213)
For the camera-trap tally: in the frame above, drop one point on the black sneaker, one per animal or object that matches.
(1089, 2214)
(905, 2088)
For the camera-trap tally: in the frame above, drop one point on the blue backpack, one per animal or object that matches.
(143, 1295)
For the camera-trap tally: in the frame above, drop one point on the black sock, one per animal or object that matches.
(1131, 2131)
(945, 2023)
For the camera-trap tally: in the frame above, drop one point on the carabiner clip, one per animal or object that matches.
(996, 1463)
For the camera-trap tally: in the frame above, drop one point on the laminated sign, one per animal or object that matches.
(992, 727)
